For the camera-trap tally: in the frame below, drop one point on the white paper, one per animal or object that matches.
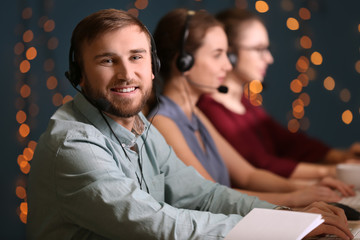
(273, 224)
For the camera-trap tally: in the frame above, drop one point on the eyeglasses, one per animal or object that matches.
(260, 50)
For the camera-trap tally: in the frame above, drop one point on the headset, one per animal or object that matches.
(185, 60)
(74, 72)
(232, 58)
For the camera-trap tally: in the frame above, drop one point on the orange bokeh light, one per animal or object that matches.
(26, 13)
(49, 25)
(329, 83)
(28, 153)
(304, 79)
(25, 167)
(28, 36)
(305, 98)
(24, 66)
(57, 99)
(25, 91)
(357, 66)
(304, 13)
(305, 42)
(261, 6)
(347, 116)
(293, 125)
(51, 82)
(296, 86)
(21, 116)
(67, 98)
(256, 86)
(31, 53)
(302, 64)
(316, 58)
(141, 4)
(24, 130)
(32, 144)
(134, 12)
(19, 48)
(20, 192)
(292, 23)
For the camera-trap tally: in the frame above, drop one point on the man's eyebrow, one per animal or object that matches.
(110, 54)
(138, 50)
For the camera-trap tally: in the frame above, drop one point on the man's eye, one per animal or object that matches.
(137, 57)
(107, 61)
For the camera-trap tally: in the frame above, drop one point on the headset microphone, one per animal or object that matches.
(221, 89)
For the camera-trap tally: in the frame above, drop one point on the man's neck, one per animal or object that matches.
(133, 123)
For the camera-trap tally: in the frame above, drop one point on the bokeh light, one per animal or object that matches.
(305, 98)
(53, 43)
(20, 116)
(141, 4)
(256, 86)
(19, 48)
(134, 12)
(287, 5)
(304, 13)
(28, 36)
(24, 66)
(347, 116)
(26, 13)
(296, 86)
(304, 79)
(261, 6)
(357, 66)
(31, 53)
(329, 83)
(24, 130)
(57, 99)
(51, 82)
(49, 25)
(345, 95)
(302, 64)
(67, 98)
(20, 192)
(25, 91)
(293, 125)
(292, 23)
(316, 58)
(305, 42)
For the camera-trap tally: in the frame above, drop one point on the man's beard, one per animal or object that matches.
(114, 106)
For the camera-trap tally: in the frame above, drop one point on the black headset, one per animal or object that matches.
(74, 72)
(185, 60)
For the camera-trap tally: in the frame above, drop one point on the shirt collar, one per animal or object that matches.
(126, 137)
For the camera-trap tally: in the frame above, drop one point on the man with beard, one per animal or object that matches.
(100, 171)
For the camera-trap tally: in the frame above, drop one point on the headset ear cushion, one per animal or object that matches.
(156, 64)
(184, 62)
(232, 58)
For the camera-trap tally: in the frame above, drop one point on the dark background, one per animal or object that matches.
(333, 28)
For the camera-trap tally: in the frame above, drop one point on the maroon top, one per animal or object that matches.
(260, 139)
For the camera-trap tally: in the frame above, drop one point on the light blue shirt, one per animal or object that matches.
(82, 185)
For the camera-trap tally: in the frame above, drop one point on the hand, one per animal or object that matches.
(355, 150)
(308, 195)
(345, 189)
(335, 220)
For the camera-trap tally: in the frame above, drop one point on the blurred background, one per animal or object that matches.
(313, 85)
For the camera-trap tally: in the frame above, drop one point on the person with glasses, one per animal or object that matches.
(248, 128)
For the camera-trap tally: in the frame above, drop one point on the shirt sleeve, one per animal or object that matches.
(96, 194)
